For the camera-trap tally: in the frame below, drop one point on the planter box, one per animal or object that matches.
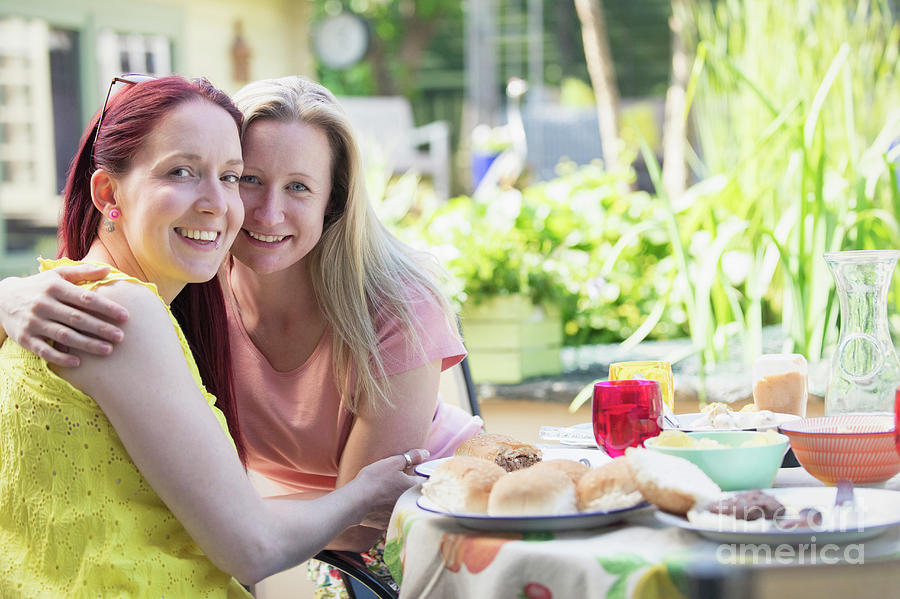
(510, 339)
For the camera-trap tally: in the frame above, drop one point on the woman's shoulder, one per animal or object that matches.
(116, 285)
(130, 293)
(421, 303)
(427, 329)
(107, 286)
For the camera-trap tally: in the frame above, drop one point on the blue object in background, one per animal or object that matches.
(896, 161)
(480, 165)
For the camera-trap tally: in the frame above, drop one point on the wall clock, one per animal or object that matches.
(340, 41)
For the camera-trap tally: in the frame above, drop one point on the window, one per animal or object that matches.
(119, 53)
(41, 109)
(65, 93)
(26, 148)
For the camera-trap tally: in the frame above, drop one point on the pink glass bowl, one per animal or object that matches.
(859, 447)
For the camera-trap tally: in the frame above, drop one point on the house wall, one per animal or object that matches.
(201, 31)
(200, 35)
(277, 32)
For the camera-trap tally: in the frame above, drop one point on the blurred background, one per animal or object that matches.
(593, 175)
(439, 62)
(621, 171)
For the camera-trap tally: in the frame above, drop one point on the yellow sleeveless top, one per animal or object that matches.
(77, 519)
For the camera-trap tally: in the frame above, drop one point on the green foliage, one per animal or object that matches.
(795, 111)
(403, 34)
(576, 241)
(576, 93)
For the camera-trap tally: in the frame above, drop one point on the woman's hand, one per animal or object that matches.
(50, 307)
(386, 480)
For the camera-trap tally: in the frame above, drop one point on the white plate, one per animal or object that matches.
(877, 510)
(579, 521)
(594, 456)
(585, 427)
(686, 423)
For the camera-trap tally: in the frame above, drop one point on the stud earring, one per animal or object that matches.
(109, 222)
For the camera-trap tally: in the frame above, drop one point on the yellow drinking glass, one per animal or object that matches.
(661, 372)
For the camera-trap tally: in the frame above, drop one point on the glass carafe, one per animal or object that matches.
(865, 370)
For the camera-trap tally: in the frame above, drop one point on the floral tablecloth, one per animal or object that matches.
(432, 556)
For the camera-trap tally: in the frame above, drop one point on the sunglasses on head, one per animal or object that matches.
(130, 79)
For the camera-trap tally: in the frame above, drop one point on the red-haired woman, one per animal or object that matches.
(121, 476)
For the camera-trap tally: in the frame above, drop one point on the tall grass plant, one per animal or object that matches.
(794, 113)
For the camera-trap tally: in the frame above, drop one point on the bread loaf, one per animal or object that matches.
(670, 483)
(574, 470)
(506, 452)
(609, 487)
(533, 492)
(462, 484)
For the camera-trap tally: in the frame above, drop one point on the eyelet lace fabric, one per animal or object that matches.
(77, 518)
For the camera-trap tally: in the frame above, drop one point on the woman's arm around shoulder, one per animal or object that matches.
(146, 390)
(50, 307)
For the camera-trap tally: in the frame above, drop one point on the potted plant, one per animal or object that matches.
(502, 265)
(573, 260)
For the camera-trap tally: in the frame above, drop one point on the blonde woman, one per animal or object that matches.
(338, 330)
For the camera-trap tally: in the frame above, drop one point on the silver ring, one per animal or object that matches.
(408, 459)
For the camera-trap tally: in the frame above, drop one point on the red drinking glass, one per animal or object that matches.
(626, 413)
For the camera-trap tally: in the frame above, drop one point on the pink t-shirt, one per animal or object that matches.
(293, 424)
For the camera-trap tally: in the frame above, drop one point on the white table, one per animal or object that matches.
(433, 556)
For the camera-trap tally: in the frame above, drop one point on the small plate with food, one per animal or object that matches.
(719, 417)
(791, 515)
(511, 454)
(591, 457)
(553, 494)
(689, 499)
(714, 417)
(557, 522)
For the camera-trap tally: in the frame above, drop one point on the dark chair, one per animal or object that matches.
(360, 582)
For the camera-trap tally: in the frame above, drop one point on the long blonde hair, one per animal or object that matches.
(358, 268)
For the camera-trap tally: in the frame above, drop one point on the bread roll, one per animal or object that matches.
(670, 483)
(506, 452)
(609, 487)
(533, 492)
(462, 484)
(574, 470)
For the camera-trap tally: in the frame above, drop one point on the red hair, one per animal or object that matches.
(130, 117)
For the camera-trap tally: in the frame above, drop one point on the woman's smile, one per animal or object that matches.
(285, 187)
(201, 238)
(265, 240)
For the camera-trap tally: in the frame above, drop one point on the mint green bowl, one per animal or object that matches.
(733, 468)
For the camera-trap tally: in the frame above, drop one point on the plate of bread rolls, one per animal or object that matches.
(497, 483)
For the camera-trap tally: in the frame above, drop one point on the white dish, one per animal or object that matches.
(686, 422)
(579, 521)
(595, 457)
(585, 427)
(876, 511)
